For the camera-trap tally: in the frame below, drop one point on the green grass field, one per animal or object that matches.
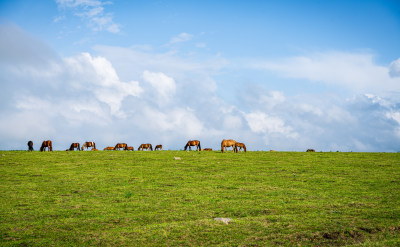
(116, 198)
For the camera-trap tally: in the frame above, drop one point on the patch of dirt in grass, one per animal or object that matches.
(333, 238)
(338, 238)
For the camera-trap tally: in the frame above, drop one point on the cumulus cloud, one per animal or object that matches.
(164, 85)
(135, 95)
(260, 122)
(92, 11)
(97, 75)
(394, 68)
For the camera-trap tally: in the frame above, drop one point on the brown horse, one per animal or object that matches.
(75, 145)
(30, 146)
(207, 149)
(130, 148)
(228, 143)
(121, 145)
(87, 145)
(95, 149)
(145, 146)
(158, 147)
(46, 144)
(109, 148)
(190, 144)
(240, 146)
(310, 150)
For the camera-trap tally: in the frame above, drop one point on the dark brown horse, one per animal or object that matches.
(121, 145)
(190, 144)
(46, 144)
(30, 146)
(130, 149)
(310, 150)
(145, 146)
(158, 147)
(87, 145)
(109, 148)
(75, 145)
(228, 143)
(240, 146)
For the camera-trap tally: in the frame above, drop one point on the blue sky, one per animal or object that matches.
(282, 75)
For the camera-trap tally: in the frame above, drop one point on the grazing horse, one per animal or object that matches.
(228, 143)
(87, 145)
(240, 146)
(190, 144)
(30, 146)
(130, 148)
(95, 149)
(121, 145)
(310, 150)
(145, 146)
(109, 148)
(46, 144)
(158, 147)
(207, 149)
(75, 145)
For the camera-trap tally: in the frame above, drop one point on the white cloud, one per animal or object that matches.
(394, 115)
(176, 120)
(91, 11)
(182, 37)
(232, 122)
(137, 95)
(394, 68)
(350, 70)
(164, 85)
(133, 61)
(260, 122)
(97, 75)
(308, 108)
(272, 99)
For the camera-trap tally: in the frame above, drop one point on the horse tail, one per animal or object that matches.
(151, 147)
(94, 145)
(244, 148)
(79, 147)
(51, 146)
(199, 147)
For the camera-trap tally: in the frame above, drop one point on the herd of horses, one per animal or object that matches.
(225, 144)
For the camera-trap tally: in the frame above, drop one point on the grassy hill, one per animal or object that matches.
(119, 198)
